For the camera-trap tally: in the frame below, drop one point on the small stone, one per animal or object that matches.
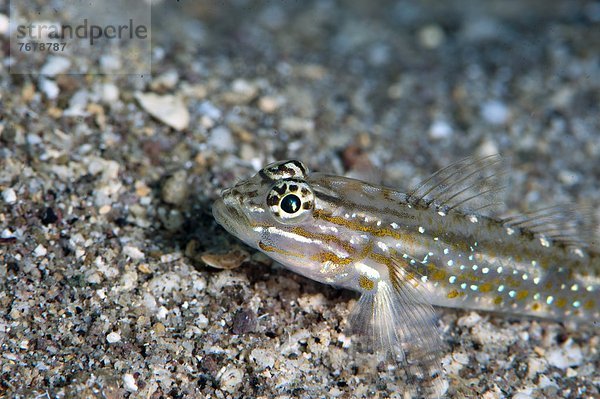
(40, 251)
(242, 92)
(269, 104)
(78, 103)
(230, 260)
(104, 209)
(263, 358)
(201, 321)
(55, 65)
(440, 130)
(4, 24)
(159, 328)
(9, 196)
(109, 93)
(168, 109)
(244, 322)
(208, 110)
(495, 112)
(230, 378)
(144, 268)
(133, 252)
(113, 337)
(221, 139)
(469, 320)
(141, 189)
(431, 36)
(174, 190)
(110, 63)
(49, 88)
(166, 80)
(569, 355)
(129, 383)
(297, 125)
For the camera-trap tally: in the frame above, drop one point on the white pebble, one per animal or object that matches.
(221, 139)
(230, 378)
(49, 88)
(9, 196)
(569, 355)
(129, 383)
(110, 63)
(201, 321)
(431, 36)
(440, 130)
(113, 337)
(495, 112)
(4, 24)
(469, 320)
(40, 251)
(263, 358)
(168, 109)
(109, 93)
(521, 395)
(55, 65)
(133, 252)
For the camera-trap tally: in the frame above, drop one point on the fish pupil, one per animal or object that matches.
(290, 203)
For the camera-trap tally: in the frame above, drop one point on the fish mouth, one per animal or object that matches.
(230, 217)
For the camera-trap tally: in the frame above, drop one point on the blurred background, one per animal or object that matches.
(117, 281)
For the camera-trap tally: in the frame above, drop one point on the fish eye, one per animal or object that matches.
(290, 200)
(290, 203)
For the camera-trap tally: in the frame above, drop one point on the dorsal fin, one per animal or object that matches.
(471, 185)
(561, 223)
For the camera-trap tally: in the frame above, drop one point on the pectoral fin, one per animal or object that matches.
(395, 319)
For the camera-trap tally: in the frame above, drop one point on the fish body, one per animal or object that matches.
(439, 244)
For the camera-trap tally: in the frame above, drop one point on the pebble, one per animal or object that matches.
(242, 92)
(49, 88)
(431, 36)
(221, 139)
(269, 104)
(230, 378)
(201, 321)
(55, 65)
(263, 358)
(109, 93)
(174, 190)
(244, 321)
(495, 112)
(109, 63)
(569, 355)
(168, 109)
(440, 130)
(166, 80)
(297, 125)
(9, 196)
(133, 252)
(113, 337)
(129, 383)
(4, 24)
(230, 260)
(40, 251)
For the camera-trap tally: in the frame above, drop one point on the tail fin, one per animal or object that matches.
(395, 319)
